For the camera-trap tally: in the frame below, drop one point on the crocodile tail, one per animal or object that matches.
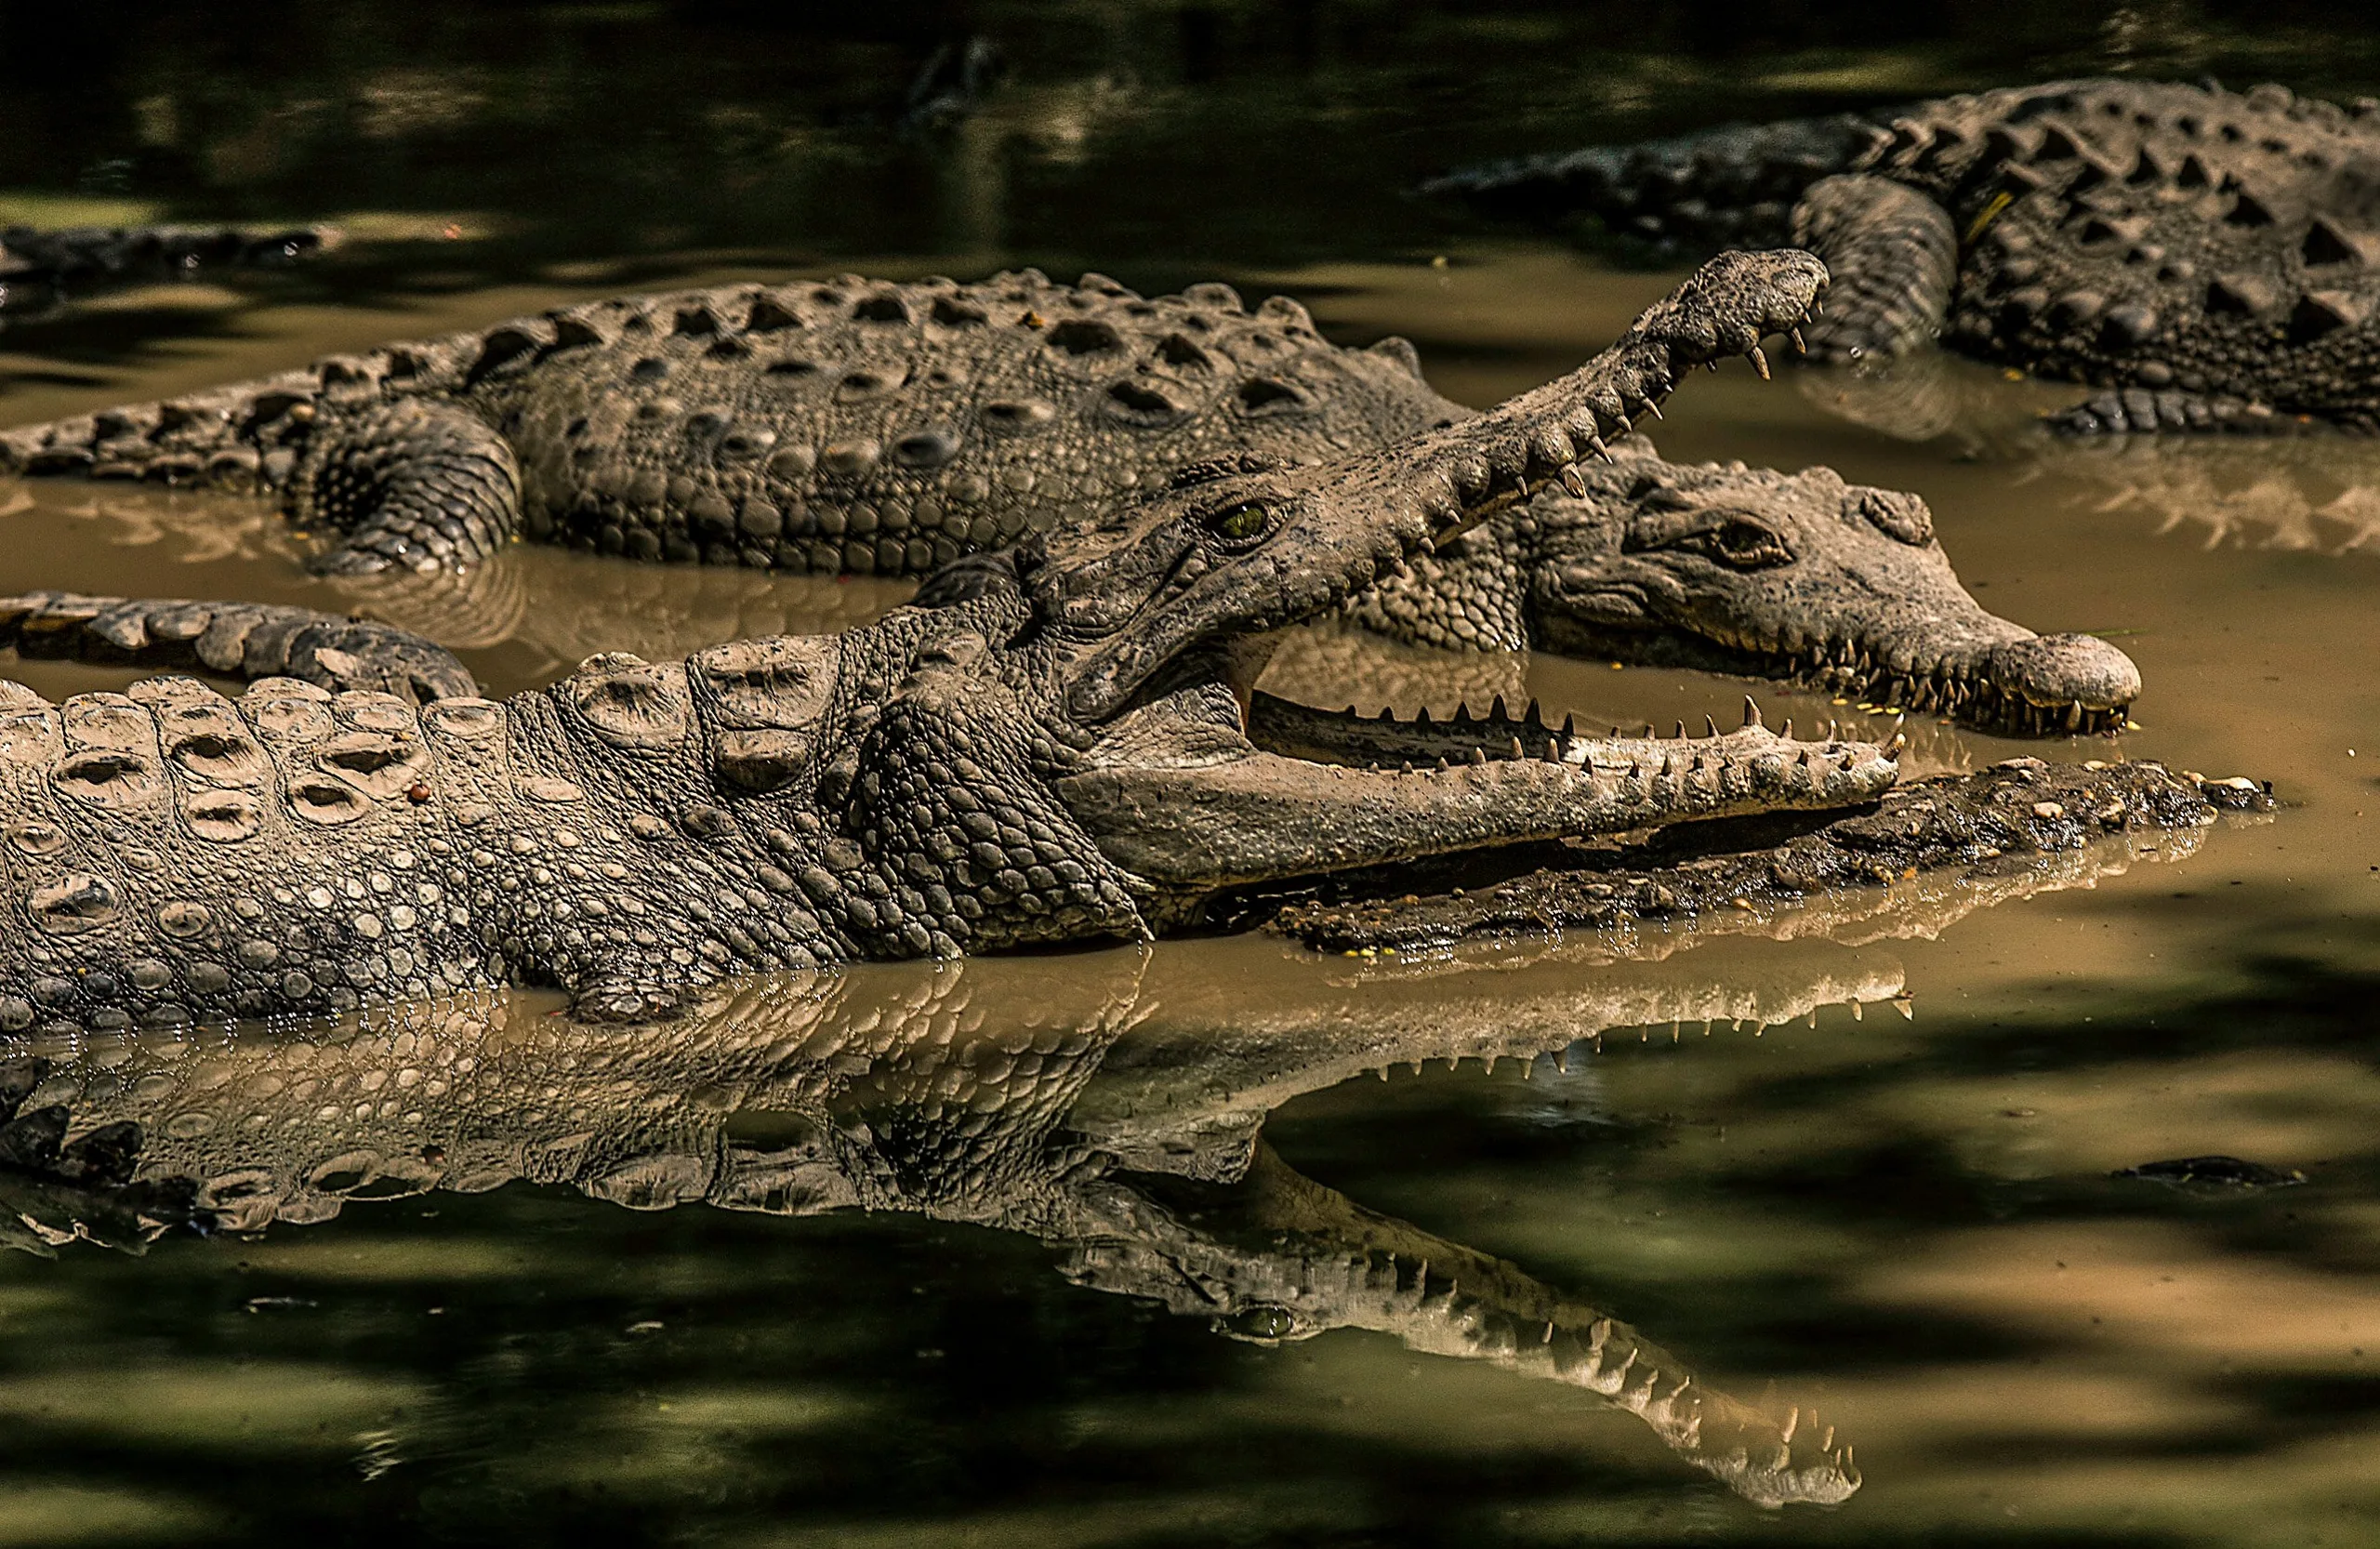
(234, 640)
(238, 437)
(39, 268)
(1728, 186)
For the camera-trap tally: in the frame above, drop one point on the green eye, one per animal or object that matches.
(1238, 524)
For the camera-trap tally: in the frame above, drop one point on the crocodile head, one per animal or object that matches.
(1808, 577)
(1149, 630)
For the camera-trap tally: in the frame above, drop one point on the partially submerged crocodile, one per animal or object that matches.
(1796, 577)
(1053, 747)
(1114, 1114)
(862, 426)
(41, 271)
(2210, 256)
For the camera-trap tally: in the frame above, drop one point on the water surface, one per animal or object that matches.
(1901, 1220)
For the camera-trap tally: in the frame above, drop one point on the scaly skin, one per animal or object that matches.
(1052, 747)
(920, 430)
(1113, 1114)
(2021, 826)
(2211, 255)
(1798, 577)
(40, 272)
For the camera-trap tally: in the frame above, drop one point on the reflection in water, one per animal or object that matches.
(2306, 488)
(2317, 493)
(1112, 1111)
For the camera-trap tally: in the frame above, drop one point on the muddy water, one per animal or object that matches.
(1902, 1220)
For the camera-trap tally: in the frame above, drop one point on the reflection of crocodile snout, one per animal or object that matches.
(2065, 670)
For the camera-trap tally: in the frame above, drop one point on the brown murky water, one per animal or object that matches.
(1904, 1220)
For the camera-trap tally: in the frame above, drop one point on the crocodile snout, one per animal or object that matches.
(2064, 669)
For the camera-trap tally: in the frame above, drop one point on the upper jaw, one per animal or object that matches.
(1149, 589)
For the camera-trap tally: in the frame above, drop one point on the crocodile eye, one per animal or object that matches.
(1239, 525)
(1739, 543)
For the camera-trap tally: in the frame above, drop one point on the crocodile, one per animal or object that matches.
(42, 270)
(2205, 256)
(1114, 1114)
(861, 426)
(1797, 577)
(1052, 746)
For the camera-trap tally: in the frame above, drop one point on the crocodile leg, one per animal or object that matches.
(247, 640)
(412, 485)
(1895, 258)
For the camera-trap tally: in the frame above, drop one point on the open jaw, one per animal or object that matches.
(1159, 624)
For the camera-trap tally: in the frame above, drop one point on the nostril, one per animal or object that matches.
(2053, 669)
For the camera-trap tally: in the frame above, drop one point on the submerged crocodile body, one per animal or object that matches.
(1053, 747)
(860, 426)
(2214, 257)
(42, 270)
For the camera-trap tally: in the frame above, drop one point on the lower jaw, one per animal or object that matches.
(1973, 701)
(1976, 704)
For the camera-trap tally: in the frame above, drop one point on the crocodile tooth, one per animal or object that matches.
(1712, 723)
(1479, 755)
(1518, 752)
(1795, 335)
(1759, 361)
(1575, 481)
(1894, 748)
(1752, 713)
(1786, 731)
(1569, 727)
(1553, 751)
(1680, 731)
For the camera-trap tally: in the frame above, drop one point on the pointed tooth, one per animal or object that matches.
(1786, 731)
(1574, 481)
(1518, 752)
(1569, 726)
(1680, 731)
(1653, 407)
(1534, 716)
(2074, 715)
(1553, 751)
(1759, 361)
(1751, 713)
(1894, 748)
(1406, 768)
(1479, 755)
(1714, 724)
(1795, 335)
(1442, 762)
